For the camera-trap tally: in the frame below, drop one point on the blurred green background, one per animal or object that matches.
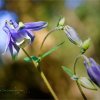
(20, 80)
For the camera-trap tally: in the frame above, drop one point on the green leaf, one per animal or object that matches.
(34, 58)
(37, 59)
(68, 71)
(51, 50)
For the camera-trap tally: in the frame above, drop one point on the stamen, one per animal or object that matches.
(10, 24)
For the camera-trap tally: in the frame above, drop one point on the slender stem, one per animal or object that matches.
(48, 85)
(43, 77)
(35, 64)
(76, 59)
(81, 91)
(47, 36)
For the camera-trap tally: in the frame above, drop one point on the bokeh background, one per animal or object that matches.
(20, 80)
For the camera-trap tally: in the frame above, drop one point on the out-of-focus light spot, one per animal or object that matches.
(72, 4)
(2, 2)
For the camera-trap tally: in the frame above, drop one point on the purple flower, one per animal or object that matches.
(20, 35)
(72, 35)
(93, 70)
(5, 15)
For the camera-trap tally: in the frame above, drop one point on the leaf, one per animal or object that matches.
(68, 71)
(37, 59)
(51, 50)
(34, 58)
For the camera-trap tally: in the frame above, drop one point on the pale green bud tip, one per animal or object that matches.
(61, 21)
(85, 45)
(87, 83)
(21, 24)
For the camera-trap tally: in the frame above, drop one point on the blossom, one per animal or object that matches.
(72, 35)
(93, 70)
(5, 15)
(19, 35)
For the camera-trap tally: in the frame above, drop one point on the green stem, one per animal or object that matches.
(80, 89)
(76, 59)
(49, 86)
(35, 64)
(43, 76)
(47, 36)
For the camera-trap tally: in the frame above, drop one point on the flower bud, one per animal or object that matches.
(87, 83)
(60, 25)
(93, 70)
(61, 21)
(72, 35)
(85, 45)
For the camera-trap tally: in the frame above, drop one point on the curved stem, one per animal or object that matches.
(47, 36)
(81, 91)
(43, 76)
(76, 59)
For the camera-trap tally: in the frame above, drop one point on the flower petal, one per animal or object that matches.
(93, 70)
(29, 33)
(86, 64)
(35, 25)
(94, 75)
(14, 23)
(14, 49)
(94, 65)
(92, 61)
(3, 42)
(25, 38)
(21, 37)
(4, 39)
(8, 38)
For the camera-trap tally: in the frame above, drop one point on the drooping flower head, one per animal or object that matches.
(72, 35)
(93, 70)
(20, 35)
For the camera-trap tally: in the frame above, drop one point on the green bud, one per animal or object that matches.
(61, 21)
(87, 83)
(60, 24)
(85, 45)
